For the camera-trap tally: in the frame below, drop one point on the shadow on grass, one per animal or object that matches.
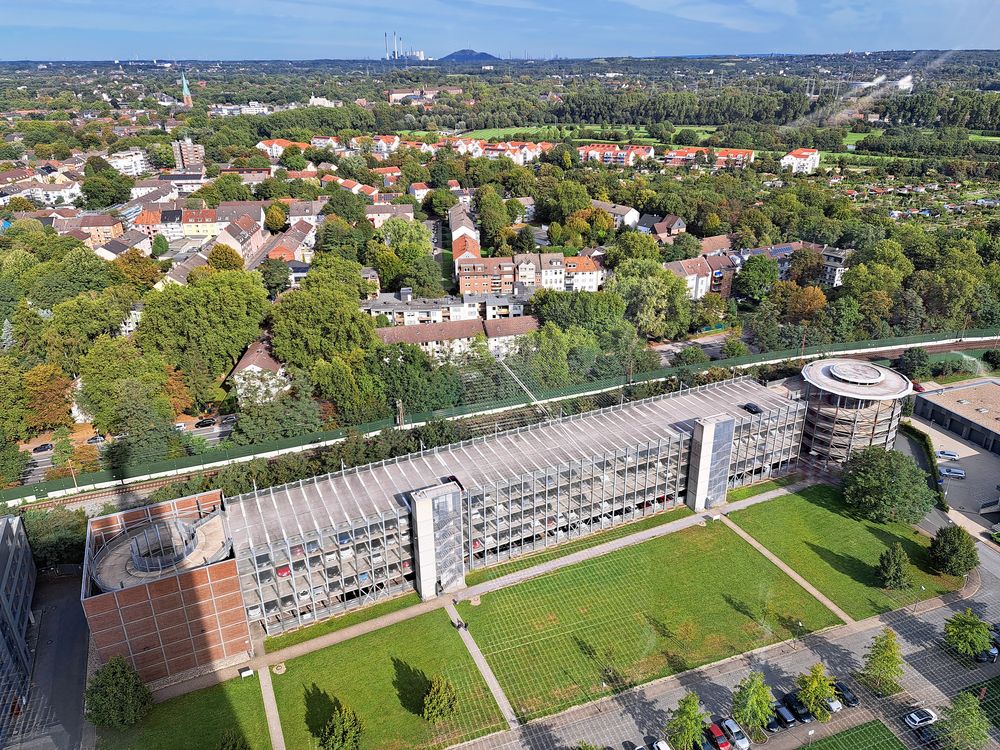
(850, 566)
(319, 708)
(411, 686)
(918, 554)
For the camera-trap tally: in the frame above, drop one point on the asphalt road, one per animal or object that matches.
(42, 462)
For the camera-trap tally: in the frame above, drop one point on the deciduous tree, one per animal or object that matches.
(967, 633)
(686, 723)
(116, 697)
(886, 486)
(815, 690)
(953, 551)
(883, 663)
(753, 704)
(965, 725)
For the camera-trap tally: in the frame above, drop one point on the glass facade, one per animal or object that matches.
(766, 444)
(18, 585)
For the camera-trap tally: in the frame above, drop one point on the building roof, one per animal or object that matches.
(851, 377)
(281, 514)
(425, 333)
(258, 355)
(614, 209)
(517, 326)
(802, 153)
(977, 402)
(716, 244)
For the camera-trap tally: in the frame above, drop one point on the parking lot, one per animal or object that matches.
(982, 472)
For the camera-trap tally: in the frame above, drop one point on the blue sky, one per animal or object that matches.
(304, 29)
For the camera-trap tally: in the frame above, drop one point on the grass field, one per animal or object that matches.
(278, 642)
(991, 703)
(871, 736)
(197, 721)
(851, 138)
(622, 619)
(814, 532)
(568, 548)
(383, 676)
(742, 493)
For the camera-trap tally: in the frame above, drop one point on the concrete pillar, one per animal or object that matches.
(708, 468)
(437, 539)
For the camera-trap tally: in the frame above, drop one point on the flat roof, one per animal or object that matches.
(336, 500)
(977, 402)
(857, 379)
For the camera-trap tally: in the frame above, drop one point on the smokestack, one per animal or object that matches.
(386, 35)
(395, 47)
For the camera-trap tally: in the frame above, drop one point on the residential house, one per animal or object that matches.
(132, 238)
(528, 203)
(801, 160)
(244, 235)
(380, 213)
(583, 275)
(668, 227)
(612, 155)
(275, 147)
(485, 276)
(723, 271)
(202, 222)
(502, 334)
(541, 270)
(100, 227)
(307, 211)
(647, 222)
(188, 155)
(295, 243)
(131, 162)
(695, 272)
(419, 190)
(624, 216)
(258, 377)
(834, 264)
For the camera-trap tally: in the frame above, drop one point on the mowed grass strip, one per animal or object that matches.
(815, 533)
(198, 720)
(294, 637)
(874, 735)
(568, 548)
(742, 493)
(631, 616)
(383, 676)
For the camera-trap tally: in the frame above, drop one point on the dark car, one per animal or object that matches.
(43, 448)
(928, 737)
(229, 418)
(989, 655)
(298, 550)
(847, 696)
(204, 423)
(753, 408)
(797, 707)
(95, 440)
(782, 719)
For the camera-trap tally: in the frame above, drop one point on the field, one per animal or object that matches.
(852, 138)
(278, 642)
(197, 721)
(871, 736)
(568, 548)
(622, 619)
(991, 703)
(383, 676)
(815, 533)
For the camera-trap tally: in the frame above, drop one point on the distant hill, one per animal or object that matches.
(469, 55)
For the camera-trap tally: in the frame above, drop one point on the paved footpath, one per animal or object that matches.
(825, 601)
(271, 709)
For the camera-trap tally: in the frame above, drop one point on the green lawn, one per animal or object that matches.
(278, 642)
(991, 703)
(568, 548)
(383, 676)
(871, 736)
(742, 493)
(621, 619)
(814, 533)
(197, 721)
(855, 137)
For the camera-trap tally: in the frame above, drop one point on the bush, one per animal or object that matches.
(116, 697)
(992, 358)
(953, 551)
(441, 699)
(233, 740)
(894, 568)
(56, 536)
(928, 446)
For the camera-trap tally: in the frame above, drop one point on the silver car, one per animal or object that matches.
(735, 734)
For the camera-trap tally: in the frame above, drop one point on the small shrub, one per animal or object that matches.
(116, 697)
(441, 700)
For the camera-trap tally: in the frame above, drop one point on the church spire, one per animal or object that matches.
(185, 91)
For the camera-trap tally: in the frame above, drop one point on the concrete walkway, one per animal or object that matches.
(511, 579)
(271, 709)
(817, 594)
(484, 669)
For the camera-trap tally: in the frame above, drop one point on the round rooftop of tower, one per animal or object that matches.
(857, 379)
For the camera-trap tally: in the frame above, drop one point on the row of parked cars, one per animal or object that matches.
(949, 472)
(788, 712)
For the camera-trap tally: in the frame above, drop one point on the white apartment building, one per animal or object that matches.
(132, 162)
(801, 160)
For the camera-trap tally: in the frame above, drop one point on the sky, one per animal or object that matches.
(311, 29)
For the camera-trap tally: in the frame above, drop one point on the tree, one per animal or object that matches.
(524, 241)
(56, 536)
(275, 217)
(116, 697)
(886, 486)
(160, 245)
(967, 633)
(566, 198)
(48, 400)
(655, 300)
(292, 159)
(264, 416)
(883, 663)
(953, 551)
(894, 568)
(441, 699)
(141, 271)
(493, 217)
(13, 462)
(756, 277)
(109, 362)
(753, 704)
(275, 276)
(965, 725)
(233, 739)
(686, 723)
(437, 202)
(225, 258)
(632, 246)
(815, 690)
(734, 347)
(915, 363)
(690, 355)
(343, 730)
(106, 188)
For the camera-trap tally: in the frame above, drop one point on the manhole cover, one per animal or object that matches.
(474, 601)
(278, 668)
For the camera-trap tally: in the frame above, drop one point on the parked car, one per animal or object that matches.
(718, 739)
(952, 472)
(95, 440)
(43, 448)
(918, 387)
(947, 455)
(734, 733)
(751, 407)
(204, 423)
(989, 655)
(797, 707)
(229, 418)
(922, 717)
(847, 696)
(179, 425)
(782, 719)
(298, 550)
(658, 745)
(834, 705)
(928, 738)
(262, 561)
(283, 571)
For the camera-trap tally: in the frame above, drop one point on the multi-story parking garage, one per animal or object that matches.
(318, 547)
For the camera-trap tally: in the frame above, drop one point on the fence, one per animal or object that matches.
(219, 457)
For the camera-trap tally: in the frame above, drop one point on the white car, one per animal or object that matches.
(735, 734)
(947, 455)
(922, 717)
(834, 705)
(953, 473)
(659, 745)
